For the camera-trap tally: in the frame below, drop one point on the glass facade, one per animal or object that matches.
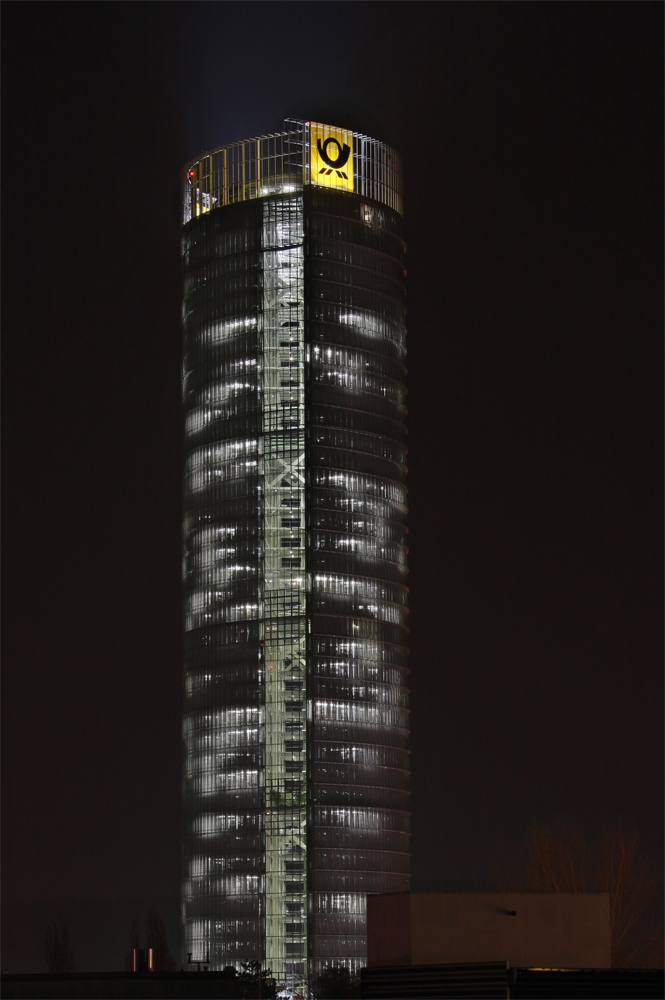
(295, 727)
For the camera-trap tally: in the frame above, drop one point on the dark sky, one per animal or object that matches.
(532, 141)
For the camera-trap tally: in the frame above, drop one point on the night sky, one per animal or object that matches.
(532, 141)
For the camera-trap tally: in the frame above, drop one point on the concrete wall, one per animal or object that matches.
(549, 930)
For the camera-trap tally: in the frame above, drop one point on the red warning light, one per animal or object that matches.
(192, 173)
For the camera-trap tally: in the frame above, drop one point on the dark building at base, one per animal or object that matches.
(295, 726)
(499, 980)
(487, 979)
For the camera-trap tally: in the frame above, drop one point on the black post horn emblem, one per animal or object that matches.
(337, 164)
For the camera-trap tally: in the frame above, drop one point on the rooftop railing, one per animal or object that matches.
(281, 164)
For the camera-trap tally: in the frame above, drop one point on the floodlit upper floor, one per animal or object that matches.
(305, 153)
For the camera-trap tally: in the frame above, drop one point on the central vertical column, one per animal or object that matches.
(283, 621)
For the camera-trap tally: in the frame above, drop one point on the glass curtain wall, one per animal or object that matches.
(295, 784)
(245, 889)
(223, 725)
(358, 828)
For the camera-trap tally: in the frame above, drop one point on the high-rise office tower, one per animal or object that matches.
(295, 600)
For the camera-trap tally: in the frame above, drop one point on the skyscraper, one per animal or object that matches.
(295, 787)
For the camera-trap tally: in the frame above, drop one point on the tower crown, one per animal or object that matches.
(285, 162)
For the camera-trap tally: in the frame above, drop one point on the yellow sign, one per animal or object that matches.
(331, 156)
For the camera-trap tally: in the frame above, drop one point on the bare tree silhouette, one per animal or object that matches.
(155, 938)
(560, 857)
(134, 942)
(58, 953)
(256, 982)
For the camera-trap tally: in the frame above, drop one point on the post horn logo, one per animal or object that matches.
(337, 164)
